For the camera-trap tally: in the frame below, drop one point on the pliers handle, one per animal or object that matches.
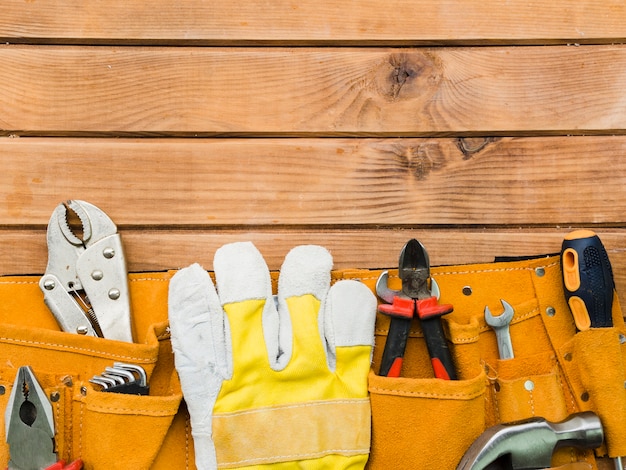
(60, 465)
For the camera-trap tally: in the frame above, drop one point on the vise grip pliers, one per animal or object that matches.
(86, 283)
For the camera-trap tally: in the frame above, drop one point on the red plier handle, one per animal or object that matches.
(60, 465)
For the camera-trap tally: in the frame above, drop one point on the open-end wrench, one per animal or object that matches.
(500, 325)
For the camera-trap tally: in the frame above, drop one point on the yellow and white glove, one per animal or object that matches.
(274, 384)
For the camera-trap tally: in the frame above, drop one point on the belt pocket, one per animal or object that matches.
(104, 429)
(119, 430)
(530, 386)
(530, 383)
(420, 422)
(593, 361)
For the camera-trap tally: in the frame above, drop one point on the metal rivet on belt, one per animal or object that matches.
(540, 271)
(568, 356)
(83, 391)
(2, 390)
(82, 329)
(467, 290)
(529, 385)
(55, 396)
(550, 311)
(584, 396)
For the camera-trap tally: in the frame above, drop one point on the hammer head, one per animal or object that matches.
(530, 444)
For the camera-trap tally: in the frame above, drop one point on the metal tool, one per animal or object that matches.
(29, 426)
(500, 325)
(125, 378)
(530, 444)
(86, 283)
(587, 279)
(415, 298)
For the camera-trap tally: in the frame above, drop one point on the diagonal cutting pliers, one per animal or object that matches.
(416, 299)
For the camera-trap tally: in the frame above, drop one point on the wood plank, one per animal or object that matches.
(246, 183)
(314, 21)
(53, 90)
(25, 251)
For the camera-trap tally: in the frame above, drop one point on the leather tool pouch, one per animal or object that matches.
(423, 422)
(419, 422)
(106, 430)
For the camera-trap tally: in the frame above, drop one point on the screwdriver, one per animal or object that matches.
(589, 284)
(587, 279)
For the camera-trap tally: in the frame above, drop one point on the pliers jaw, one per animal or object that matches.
(29, 424)
(29, 427)
(85, 284)
(414, 270)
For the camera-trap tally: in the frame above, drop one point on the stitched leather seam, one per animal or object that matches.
(118, 410)
(427, 395)
(74, 348)
(478, 271)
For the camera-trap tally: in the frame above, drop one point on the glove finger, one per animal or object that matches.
(306, 270)
(197, 323)
(200, 334)
(245, 291)
(349, 315)
(303, 283)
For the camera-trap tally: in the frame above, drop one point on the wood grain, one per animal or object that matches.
(24, 251)
(247, 183)
(313, 21)
(53, 90)
(340, 130)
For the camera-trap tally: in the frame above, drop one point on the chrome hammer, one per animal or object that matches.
(530, 444)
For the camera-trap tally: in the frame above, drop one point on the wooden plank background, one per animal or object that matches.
(484, 129)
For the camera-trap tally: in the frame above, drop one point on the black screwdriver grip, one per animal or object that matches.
(587, 279)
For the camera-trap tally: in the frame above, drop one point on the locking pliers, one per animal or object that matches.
(86, 283)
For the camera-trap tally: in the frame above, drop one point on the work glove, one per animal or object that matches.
(273, 383)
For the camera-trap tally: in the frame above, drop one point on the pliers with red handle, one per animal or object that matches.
(416, 299)
(29, 427)
(60, 465)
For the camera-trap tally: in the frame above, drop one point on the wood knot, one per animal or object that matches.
(469, 146)
(408, 73)
(422, 160)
